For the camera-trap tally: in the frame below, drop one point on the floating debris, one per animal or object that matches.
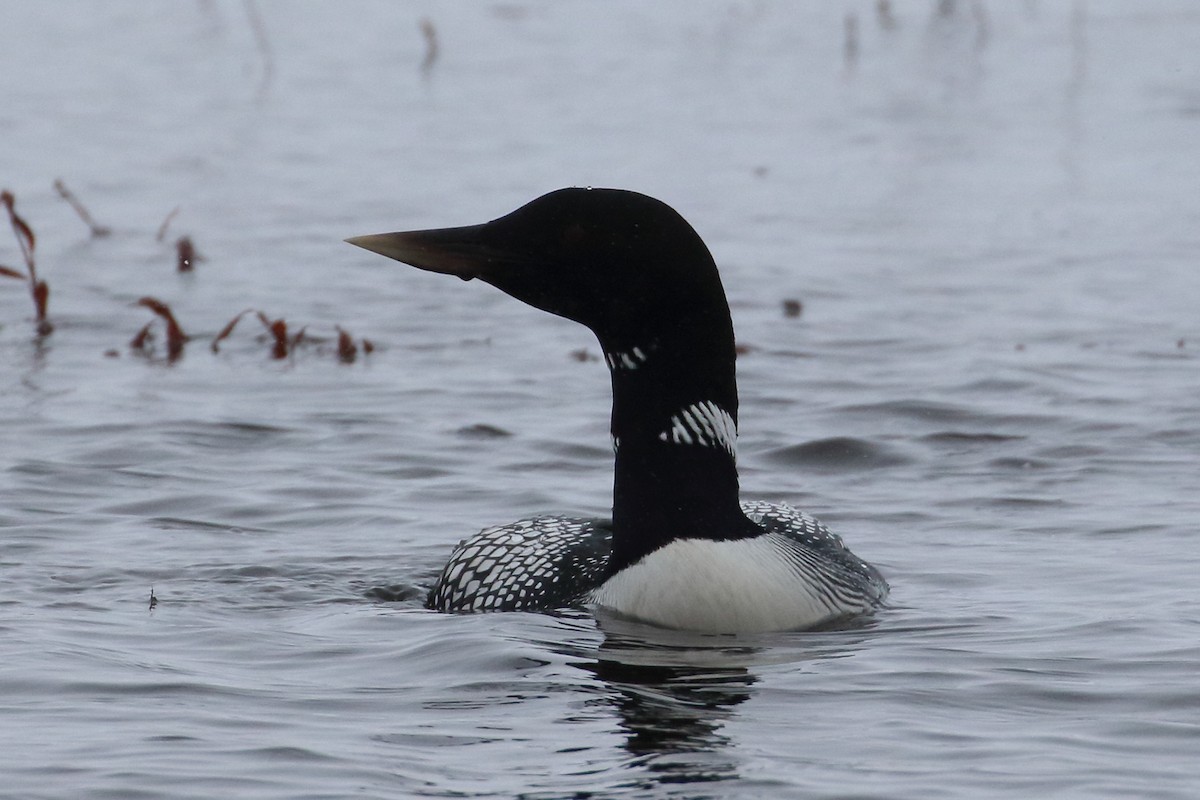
(792, 308)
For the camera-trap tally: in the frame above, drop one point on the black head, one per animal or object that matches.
(611, 259)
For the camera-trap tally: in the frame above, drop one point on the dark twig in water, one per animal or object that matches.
(298, 338)
(66, 194)
(264, 46)
(24, 233)
(883, 11)
(850, 46)
(176, 338)
(982, 29)
(228, 329)
(431, 45)
(38, 289)
(166, 223)
(186, 255)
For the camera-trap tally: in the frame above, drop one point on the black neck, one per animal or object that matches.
(667, 487)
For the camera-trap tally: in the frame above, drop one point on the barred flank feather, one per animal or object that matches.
(554, 562)
(531, 565)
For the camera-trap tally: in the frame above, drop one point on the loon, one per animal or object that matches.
(681, 551)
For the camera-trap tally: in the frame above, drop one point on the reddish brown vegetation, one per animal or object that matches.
(65, 194)
(176, 338)
(281, 345)
(347, 350)
(283, 342)
(38, 289)
(279, 337)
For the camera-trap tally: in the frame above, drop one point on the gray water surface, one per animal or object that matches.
(989, 211)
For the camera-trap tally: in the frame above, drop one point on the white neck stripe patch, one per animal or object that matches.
(705, 424)
(630, 360)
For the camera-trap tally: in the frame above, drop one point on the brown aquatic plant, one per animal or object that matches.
(176, 338)
(850, 43)
(279, 335)
(883, 12)
(285, 344)
(166, 223)
(38, 289)
(259, 29)
(227, 330)
(66, 194)
(346, 349)
(431, 45)
(281, 345)
(185, 254)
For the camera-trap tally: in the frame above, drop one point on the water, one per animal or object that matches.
(988, 212)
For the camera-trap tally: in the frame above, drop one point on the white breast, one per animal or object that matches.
(741, 586)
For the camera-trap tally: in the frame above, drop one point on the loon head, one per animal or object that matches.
(634, 271)
(613, 260)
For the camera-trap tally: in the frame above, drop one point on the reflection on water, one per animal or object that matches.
(671, 698)
(675, 713)
(672, 692)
